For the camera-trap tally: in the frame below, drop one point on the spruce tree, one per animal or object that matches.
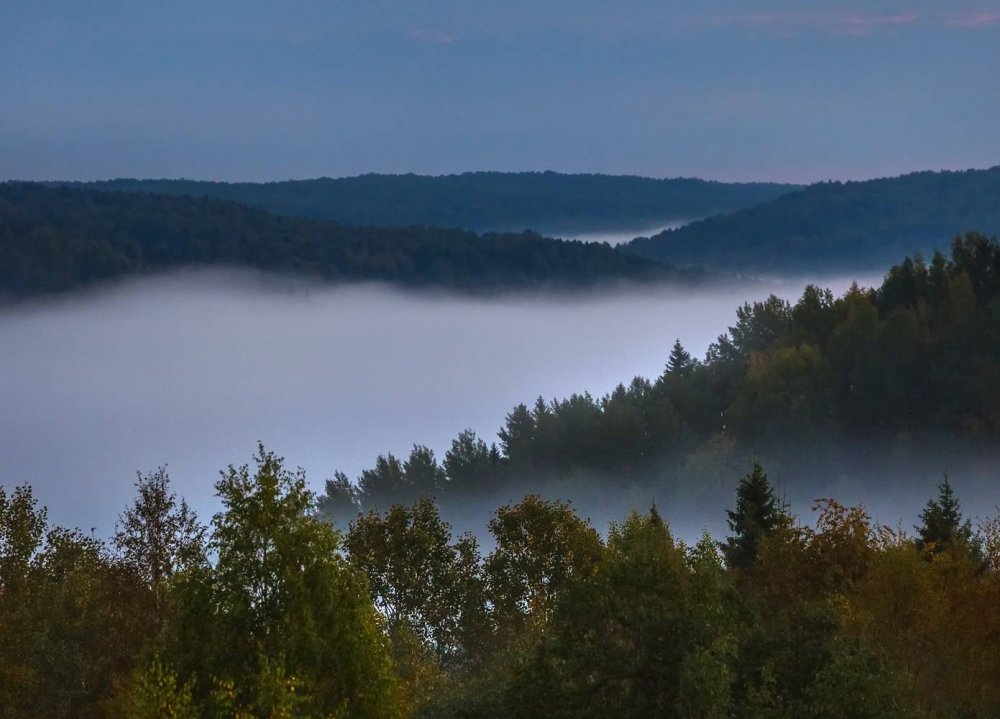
(758, 511)
(680, 361)
(941, 522)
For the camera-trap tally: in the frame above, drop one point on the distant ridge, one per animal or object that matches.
(837, 225)
(547, 202)
(56, 239)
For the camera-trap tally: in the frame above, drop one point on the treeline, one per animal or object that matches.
(834, 225)
(915, 357)
(542, 201)
(54, 239)
(269, 611)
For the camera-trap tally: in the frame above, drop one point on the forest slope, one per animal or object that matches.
(829, 225)
(54, 239)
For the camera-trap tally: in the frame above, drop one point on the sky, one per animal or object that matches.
(248, 90)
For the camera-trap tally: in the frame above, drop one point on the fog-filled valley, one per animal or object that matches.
(500, 360)
(191, 369)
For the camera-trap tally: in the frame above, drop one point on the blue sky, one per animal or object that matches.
(720, 89)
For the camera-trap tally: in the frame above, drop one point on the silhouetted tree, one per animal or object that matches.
(470, 463)
(941, 523)
(680, 361)
(384, 484)
(424, 476)
(758, 511)
(339, 504)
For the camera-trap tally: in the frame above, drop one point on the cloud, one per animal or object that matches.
(975, 21)
(852, 24)
(834, 23)
(868, 24)
(433, 37)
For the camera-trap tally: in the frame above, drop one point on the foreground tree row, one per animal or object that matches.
(270, 611)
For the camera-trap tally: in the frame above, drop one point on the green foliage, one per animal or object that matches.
(22, 526)
(157, 695)
(421, 581)
(541, 547)
(843, 619)
(72, 623)
(283, 600)
(158, 535)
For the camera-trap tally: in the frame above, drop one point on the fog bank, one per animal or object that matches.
(620, 237)
(192, 369)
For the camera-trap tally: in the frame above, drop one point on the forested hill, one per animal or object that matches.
(54, 239)
(838, 225)
(542, 201)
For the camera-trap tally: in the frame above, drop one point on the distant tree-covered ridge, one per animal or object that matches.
(54, 239)
(918, 356)
(541, 201)
(834, 225)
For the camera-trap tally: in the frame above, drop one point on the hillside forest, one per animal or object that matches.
(836, 225)
(59, 239)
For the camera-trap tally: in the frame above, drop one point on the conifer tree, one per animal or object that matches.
(758, 511)
(941, 522)
(680, 361)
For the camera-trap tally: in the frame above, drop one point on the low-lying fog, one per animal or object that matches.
(192, 369)
(620, 237)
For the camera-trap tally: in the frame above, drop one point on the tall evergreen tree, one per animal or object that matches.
(942, 524)
(518, 434)
(423, 474)
(758, 511)
(469, 463)
(680, 361)
(384, 484)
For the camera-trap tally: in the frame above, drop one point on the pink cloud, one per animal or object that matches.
(975, 21)
(867, 24)
(838, 23)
